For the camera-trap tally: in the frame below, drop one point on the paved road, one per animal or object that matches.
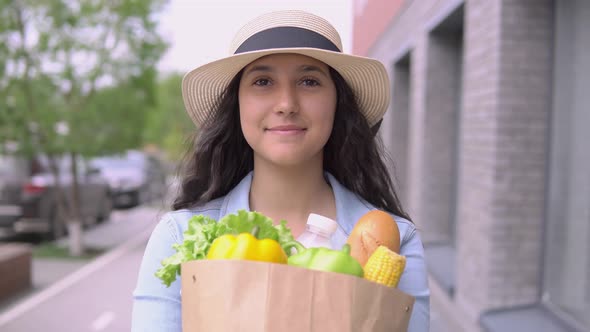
(92, 297)
(99, 302)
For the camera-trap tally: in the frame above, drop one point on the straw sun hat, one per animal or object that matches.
(290, 31)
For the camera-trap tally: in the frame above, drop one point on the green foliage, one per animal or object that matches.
(112, 121)
(77, 76)
(30, 128)
(167, 123)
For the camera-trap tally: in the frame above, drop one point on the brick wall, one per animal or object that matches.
(476, 182)
(416, 131)
(504, 81)
(523, 109)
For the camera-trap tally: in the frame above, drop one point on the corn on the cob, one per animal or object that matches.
(385, 267)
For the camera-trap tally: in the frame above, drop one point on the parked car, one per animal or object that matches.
(29, 195)
(14, 172)
(134, 177)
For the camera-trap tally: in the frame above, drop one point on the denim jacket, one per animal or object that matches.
(158, 308)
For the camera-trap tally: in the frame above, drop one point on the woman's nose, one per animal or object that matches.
(287, 100)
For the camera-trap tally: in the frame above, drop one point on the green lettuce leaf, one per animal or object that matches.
(244, 222)
(202, 231)
(285, 236)
(197, 240)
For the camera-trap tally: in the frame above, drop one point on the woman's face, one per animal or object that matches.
(287, 105)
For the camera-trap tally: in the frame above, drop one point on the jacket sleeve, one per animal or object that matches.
(155, 306)
(414, 281)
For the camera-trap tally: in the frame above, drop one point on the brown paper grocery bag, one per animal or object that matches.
(236, 295)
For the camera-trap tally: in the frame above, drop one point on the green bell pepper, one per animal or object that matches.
(325, 259)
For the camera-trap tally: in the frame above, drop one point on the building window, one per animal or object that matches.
(567, 258)
(440, 166)
(400, 124)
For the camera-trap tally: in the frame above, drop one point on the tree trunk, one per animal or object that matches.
(75, 238)
(63, 213)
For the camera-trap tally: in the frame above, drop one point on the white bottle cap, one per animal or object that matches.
(324, 223)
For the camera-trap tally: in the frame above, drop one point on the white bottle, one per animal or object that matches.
(318, 231)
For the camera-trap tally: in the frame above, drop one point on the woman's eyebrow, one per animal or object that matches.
(309, 68)
(302, 68)
(260, 68)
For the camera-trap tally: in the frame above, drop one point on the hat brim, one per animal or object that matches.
(201, 87)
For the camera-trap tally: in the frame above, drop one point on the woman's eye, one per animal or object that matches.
(310, 82)
(262, 82)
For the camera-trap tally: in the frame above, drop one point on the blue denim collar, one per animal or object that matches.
(349, 207)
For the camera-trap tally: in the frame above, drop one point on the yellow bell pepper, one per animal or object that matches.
(247, 247)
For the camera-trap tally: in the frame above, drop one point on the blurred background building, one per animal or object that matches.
(488, 131)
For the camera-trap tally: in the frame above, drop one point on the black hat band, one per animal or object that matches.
(286, 37)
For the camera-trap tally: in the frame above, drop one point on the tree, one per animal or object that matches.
(74, 72)
(167, 124)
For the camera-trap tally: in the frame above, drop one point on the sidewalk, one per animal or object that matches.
(122, 225)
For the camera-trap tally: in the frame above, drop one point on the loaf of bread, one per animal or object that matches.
(373, 229)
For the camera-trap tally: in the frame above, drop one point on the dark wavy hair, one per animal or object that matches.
(219, 156)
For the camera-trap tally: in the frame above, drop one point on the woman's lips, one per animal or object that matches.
(286, 130)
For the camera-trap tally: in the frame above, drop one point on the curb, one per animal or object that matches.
(74, 277)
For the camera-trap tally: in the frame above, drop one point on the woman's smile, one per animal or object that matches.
(286, 130)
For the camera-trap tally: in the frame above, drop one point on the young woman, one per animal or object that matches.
(286, 128)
